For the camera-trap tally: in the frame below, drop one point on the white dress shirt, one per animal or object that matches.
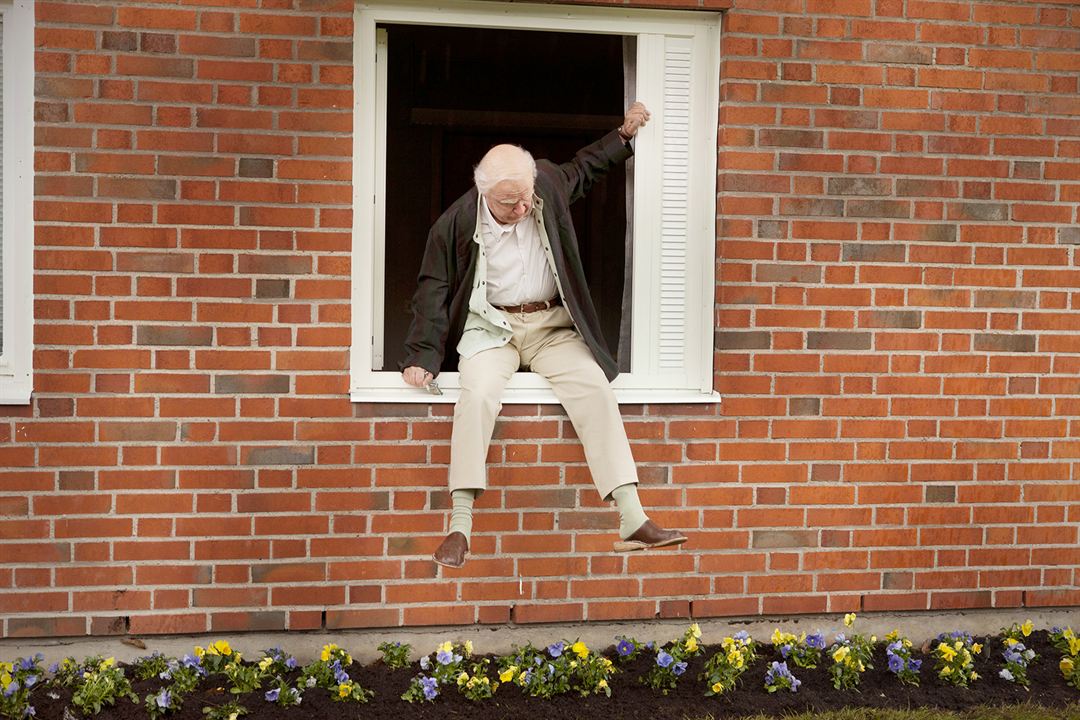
(517, 266)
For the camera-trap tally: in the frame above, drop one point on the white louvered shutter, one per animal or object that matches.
(1, 186)
(669, 277)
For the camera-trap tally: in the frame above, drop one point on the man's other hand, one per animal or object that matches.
(417, 376)
(636, 116)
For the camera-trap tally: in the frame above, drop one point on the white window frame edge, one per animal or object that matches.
(16, 364)
(650, 26)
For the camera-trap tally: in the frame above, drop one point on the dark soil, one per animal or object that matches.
(630, 700)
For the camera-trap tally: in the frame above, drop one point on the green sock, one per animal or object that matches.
(461, 514)
(631, 516)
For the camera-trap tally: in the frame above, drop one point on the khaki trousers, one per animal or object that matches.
(546, 343)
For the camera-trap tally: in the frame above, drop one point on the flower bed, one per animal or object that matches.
(678, 678)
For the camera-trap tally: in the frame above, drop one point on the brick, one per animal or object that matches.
(171, 335)
(873, 252)
(838, 341)
(788, 273)
(784, 539)
(537, 613)
(251, 384)
(792, 138)
(1005, 343)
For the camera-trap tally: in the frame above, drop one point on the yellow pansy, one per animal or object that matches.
(5, 680)
(326, 651)
(234, 715)
(1066, 665)
(601, 685)
(946, 670)
(107, 663)
(468, 648)
(1074, 646)
(893, 635)
(873, 638)
(471, 684)
(1011, 641)
(717, 688)
(573, 664)
(841, 653)
(446, 647)
(1027, 627)
(695, 630)
(849, 619)
(974, 676)
(6, 667)
(946, 652)
(343, 690)
(607, 663)
(508, 674)
(581, 649)
(222, 647)
(462, 678)
(691, 643)
(199, 652)
(265, 663)
(976, 648)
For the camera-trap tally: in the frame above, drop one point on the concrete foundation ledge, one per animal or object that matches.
(499, 639)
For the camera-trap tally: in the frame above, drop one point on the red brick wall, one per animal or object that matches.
(896, 341)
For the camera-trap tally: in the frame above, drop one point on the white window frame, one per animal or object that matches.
(694, 37)
(17, 232)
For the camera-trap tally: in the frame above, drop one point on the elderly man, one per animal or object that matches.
(501, 287)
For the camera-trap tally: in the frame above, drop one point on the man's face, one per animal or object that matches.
(510, 201)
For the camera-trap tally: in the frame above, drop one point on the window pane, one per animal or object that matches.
(452, 93)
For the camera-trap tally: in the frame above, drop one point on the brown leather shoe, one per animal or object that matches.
(451, 553)
(650, 535)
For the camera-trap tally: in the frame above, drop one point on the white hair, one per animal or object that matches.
(504, 162)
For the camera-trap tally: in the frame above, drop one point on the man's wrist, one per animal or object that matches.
(623, 135)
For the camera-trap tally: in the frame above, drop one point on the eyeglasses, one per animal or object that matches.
(511, 200)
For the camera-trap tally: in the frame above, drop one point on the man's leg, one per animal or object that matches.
(483, 378)
(557, 352)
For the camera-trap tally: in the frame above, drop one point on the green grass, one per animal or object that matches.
(1010, 712)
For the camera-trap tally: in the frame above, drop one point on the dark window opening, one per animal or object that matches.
(452, 93)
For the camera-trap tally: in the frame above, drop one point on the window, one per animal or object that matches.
(16, 200)
(436, 88)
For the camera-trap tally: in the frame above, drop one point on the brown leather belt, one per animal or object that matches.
(531, 307)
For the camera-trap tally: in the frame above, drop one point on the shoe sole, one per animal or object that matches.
(636, 545)
(448, 565)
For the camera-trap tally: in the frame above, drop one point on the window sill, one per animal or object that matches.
(14, 393)
(531, 396)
